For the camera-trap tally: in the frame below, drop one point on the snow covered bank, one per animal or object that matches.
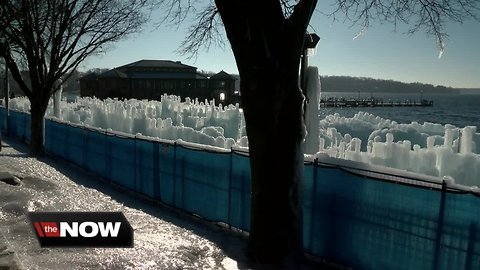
(428, 148)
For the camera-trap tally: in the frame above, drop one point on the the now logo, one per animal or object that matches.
(74, 229)
(82, 229)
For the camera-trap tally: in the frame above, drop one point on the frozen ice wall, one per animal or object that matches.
(431, 149)
(171, 119)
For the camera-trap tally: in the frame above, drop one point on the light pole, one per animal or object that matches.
(311, 91)
(7, 96)
(310, 42)
(6, 93)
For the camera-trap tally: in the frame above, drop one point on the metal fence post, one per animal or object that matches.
(438, 238)
(107, 157)
(85, 147)
(472, 235)
(135, 166)
(25, 129)
(156, 171)
(65, 140)
(230, 179)
(174, 174)
(182, 187)
(314, 204)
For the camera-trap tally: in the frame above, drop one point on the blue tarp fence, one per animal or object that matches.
(359, 218)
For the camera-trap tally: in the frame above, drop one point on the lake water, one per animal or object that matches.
(456, 109)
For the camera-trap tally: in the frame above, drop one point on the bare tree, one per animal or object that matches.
(267, 38)
(50, 38)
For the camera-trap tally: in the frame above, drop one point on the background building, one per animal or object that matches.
(150, 79)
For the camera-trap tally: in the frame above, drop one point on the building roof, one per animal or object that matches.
(173, 70)
(222, 75)
(200, 76)
(89, 76)
(158, 64)
(162, 75)
(113, 73)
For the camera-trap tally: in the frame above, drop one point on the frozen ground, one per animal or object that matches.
(164, 238)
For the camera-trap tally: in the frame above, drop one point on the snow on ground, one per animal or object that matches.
(163, 239)
(428, 148)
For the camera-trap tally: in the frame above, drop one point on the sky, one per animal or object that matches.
(380, 52)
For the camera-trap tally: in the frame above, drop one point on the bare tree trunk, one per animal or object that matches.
(267, 48)
(275, 132)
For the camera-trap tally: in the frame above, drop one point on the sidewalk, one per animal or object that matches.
(164, 238)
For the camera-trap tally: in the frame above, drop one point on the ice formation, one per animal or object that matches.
(428, 148)
(170, 119)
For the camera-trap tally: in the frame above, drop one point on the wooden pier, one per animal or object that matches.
(373, 102)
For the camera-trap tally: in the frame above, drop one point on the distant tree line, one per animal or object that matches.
(70, 84)
(370, 85)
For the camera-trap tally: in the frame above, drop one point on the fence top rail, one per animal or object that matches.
(12, 110)
(392, 174)
(144, 137)
(244, 151)
(197, 146)
(83, 126)
(324, 158)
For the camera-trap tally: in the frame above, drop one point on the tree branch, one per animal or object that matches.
(427, 15)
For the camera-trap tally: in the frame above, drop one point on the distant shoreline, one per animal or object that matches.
(460, 91)
(369, 85)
